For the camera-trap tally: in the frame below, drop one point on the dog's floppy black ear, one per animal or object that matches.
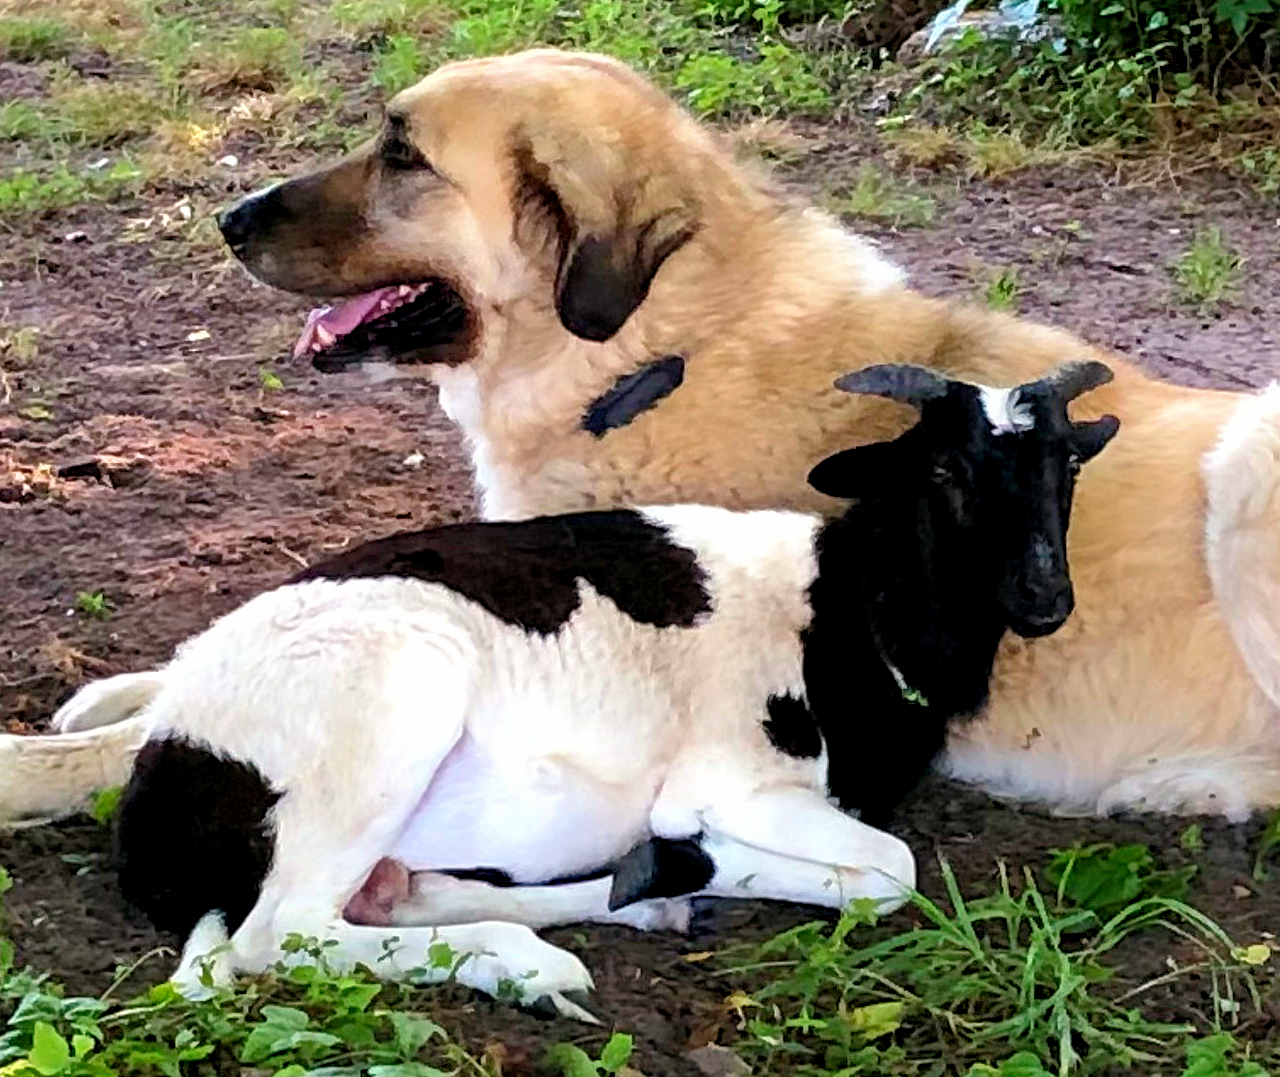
(614, 223)
(603, 278)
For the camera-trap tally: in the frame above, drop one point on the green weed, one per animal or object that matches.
(21, 120)
(93, 604)
(19, 346)
(26, 191)
(1012, 976)
(876, 195)
(291, 1021)
(262, 58)
(1105, 878)
(1003, 290)
(398, 63)
(30, 40)
(105, 803)
(1267, 844)
(572, 1061)
(1262, 166)
(1206, 272)
(684, 45)
(108, 114)
(368, 18)
(269, 379)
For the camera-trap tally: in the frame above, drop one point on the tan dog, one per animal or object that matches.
(538, 226)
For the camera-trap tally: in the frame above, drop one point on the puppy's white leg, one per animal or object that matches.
(799, 824)
(744, 871)
(107, 701)
(441, 899)
(490, 956)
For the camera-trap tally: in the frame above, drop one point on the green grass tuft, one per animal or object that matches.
(1206, 273)
(879, 196)
(1010, 983)
(31, 40)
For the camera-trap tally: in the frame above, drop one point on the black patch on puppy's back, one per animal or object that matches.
(792, 728)
(526, 572)
(192, 835)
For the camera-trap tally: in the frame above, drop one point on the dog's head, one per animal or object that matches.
(490, 180)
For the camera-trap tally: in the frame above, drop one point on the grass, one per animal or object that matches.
(187, 79)
(304, 1019)
(289, 1022)
(876, 195)
(1019, 981)
(93, 604)
(1206, 273)
(30, 40)
(1003, 289)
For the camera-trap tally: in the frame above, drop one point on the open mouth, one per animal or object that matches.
(427, 322)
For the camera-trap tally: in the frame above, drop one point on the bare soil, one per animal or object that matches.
(142, 456)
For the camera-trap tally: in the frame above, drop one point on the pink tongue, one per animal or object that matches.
(341, 319)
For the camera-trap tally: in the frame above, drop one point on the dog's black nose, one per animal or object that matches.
(236, 222)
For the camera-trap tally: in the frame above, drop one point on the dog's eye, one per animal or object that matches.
(943, 475)
(399, 152)
(1073, 464)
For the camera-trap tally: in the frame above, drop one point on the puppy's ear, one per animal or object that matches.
(867, 471)
(615, 222)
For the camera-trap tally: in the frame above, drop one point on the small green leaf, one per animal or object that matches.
(876, 1020)
(36, 412)
(571, 1061)
(617, 1052)
(269, 379)
(104, 804)
(1257, 954)
(413, 1031)
(50, 1053)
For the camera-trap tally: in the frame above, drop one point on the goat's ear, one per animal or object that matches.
(862, 472)
(1091, 438)
(616, 222)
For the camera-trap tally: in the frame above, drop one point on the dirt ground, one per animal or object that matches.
(159, 470)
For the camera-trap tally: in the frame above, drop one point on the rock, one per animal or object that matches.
(990, 24)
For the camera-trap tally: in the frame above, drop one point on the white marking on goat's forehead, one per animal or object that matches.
(1007, 412)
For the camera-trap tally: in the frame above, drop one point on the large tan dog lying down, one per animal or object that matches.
(527, 231)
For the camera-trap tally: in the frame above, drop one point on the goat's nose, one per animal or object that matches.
(1051, 599)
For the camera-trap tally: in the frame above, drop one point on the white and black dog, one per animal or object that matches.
(436, 737)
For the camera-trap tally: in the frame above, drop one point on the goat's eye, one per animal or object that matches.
(400, 153)
(1073, 464)
(943, 474)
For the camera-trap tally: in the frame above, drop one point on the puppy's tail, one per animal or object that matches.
(1242, 532)
(107, 701)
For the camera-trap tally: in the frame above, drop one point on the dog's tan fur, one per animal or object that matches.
(1143, 699)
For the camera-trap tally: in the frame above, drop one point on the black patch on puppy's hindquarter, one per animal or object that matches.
(792, 728)
(526, 572)
(192, 835)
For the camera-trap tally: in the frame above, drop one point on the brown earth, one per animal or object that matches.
(143, 457)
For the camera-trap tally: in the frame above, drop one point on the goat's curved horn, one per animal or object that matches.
(1075, 378)
(910, 384)
(43, 778)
